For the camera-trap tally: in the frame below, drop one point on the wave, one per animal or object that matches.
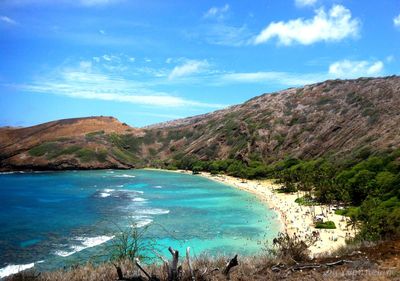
(155, 211)
(104, 194)
(12, 172)
(14, 268)
(120, 193)
(157, 186)
(139, 199)
(131, 191)
(143, 223)
(86, 242)
(124, 176)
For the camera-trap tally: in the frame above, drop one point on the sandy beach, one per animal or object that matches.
(295, 218)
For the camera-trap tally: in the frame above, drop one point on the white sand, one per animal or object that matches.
(295, 218)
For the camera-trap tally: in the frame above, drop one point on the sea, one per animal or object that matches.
(54, 220)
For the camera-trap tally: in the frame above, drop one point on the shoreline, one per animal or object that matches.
(295, 219)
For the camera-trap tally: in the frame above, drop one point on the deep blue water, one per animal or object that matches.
(55, 219)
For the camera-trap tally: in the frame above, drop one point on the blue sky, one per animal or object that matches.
(152, 61)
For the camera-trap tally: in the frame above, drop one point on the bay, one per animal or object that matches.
(50, 220)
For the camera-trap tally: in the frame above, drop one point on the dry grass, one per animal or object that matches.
(255, 268)
(375, 262)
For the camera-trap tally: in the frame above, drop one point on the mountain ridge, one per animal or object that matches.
(334, 118)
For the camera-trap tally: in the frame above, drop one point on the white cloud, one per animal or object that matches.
(390, 59)
(334, 25)
(85, 82)
(188, 68)
(396, 21)
(217, 12)
(303, 3)
(344, 69)
(227, 35)
(107, 57)
(7, 20)
(355, 69)
(272, 77)
(85, 65)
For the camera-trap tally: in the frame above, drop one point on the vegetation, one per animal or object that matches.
(88, 155)
(288, 262)
(131, 243)
(326, 225)
(306, 201)
(52, 150)
(288, 247)
(42, 149)
(369, 185)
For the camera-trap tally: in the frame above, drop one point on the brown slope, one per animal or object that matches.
(336, 117)
(15, 143)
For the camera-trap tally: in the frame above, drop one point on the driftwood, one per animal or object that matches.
(122, 278)
(189, 263)
(297, 267)
(150, 278)
(232, 263)
(173, 270)
(135, 278)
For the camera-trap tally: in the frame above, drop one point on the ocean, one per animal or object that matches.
(51, 220)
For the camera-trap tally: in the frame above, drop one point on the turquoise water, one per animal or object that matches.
(55, 219)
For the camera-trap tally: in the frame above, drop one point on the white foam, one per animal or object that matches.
(86, 242)
(141, 220)
(104, 194)
(12, 172)
(14, 268)
(64, 253)
(108, 190)
(143, 223)
(157, 186)
(155, 211)
(124, 176)
(133, 191)
(139, 199)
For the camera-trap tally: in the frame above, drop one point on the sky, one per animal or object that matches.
(145, 62)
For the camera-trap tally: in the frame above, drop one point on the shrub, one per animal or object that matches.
(44, 148)
(88, 155)
(305, 201)
(325, 225)
(293, 247)
(131, 243)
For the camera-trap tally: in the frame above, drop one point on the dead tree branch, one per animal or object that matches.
(232, 263)
(189, 263)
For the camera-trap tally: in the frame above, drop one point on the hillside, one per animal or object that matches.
(335, 118)
(62, 144)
